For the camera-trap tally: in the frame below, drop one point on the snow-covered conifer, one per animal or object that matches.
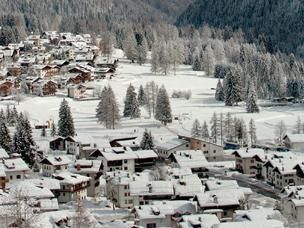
(196, 128)
(147, 141)
(163, 107)
(66, 122)
(219, 92)
(131, 108)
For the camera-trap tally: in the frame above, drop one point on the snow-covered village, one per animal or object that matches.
(161, 126)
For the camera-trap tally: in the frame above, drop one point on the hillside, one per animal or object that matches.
(281, 22)
(20, 16)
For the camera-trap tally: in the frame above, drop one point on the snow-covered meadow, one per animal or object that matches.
(201, 105)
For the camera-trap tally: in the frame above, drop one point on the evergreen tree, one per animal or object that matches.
(131, 108)
(205, 131)
(196, 128)
(23, 140)
(298, 126)
(280, 131)
(219, 93)
(66, 122)
(163, 107)
(208, 60)
(232, 86)
(151, 91)
(142, 51)
(252, 132)
(107, 111)
(147, 141)
(5, 138)
(43, 132)
(14, 116)
(142, 99)
(129, 47)
(251, 102)
(229, 127)
(196, 66)
(164, 58)
(155, 58)
(214, 127)
(53, 130)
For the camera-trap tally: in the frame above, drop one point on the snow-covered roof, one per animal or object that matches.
(151, 188)
(249, 224)
(3, 154)
(204, 220)
(216, 184)
(296, 138)
(48, 204)
(70, 178)
(57, 160)
(250, 152)
(219, 198)
(188, 185)
(163, 209)
(190, 159)
(256, 214)
(15, 164)
(171, 144)
(86, 166)
(46, 182)
(30, 190)
(119, 153)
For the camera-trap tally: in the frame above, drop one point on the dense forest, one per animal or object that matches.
(19, 17)
(278, 24)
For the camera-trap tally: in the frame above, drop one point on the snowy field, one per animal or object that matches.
(201, 105)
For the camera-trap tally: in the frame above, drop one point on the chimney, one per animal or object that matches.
(78, 167)
(215, 199)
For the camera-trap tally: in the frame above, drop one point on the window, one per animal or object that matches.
(151, 225)
(214, 151)
(130, 201)
(126, 187)
(18, 176)
(125, 161)
(252, 161)
(187, 145)
(11, 177)
(125, 168)
(204, 145)
(214, 158)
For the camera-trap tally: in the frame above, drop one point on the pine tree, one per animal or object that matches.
(196, 66)
(107, 111)
(147, 141)
(196, 128)
(229, 127)
(251, 102)
(23, 140)
(232, 86)
(208, 60)
(163, 107)
(142, 99)
(66, 122)
(252, 132)
(280, 132)
(5, 138)
(219, 93)
(214, 127)
(298, 126)
(151, 91)
(164, 58)
(129, 47)
(205, 131)
(131, 108)
(43, 132)
(53, 130)
(155, 61)
(14, 116)
(142, 50)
